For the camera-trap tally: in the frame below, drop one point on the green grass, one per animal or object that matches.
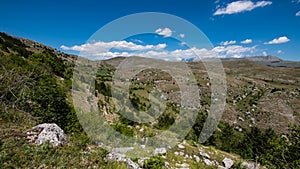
(17, 153)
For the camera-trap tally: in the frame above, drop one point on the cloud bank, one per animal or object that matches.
(101, 50)
(119, 45)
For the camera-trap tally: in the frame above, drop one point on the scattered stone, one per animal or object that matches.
(185, 165)
(176, 153)
(181, 153)
(167, 165)
(47, 132)
(159, 151)
(241, 119)
(238, 128)
(215, 163)
(197, 158)
(227, 163)
(142, 160)
(252, 120)
(208, 162)
(116, 157)
(180, 146)
(122, 158)
(204, 155)
(248, 165)
(234, 102)
(132, 164)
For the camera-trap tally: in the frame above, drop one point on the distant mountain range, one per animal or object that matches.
(272, 61)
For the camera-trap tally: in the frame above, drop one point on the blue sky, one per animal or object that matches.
(271, 26)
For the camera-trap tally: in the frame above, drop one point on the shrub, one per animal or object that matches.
(155, 162)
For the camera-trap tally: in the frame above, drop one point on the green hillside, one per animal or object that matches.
(260, 125)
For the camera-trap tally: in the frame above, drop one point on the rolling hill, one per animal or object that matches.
(260, 122)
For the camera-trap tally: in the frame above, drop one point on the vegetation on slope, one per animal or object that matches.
(35, 88)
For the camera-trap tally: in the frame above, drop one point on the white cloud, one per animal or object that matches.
(280, 52)
(241, 6)
(236, 51)
(166, 32)
(265, 53)
(182, 35)
(225, 43)
(98, 47)
(279, 40)
(298, 13)
(247, 41)
(182, 43)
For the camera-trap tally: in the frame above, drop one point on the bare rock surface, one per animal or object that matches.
(47, 132)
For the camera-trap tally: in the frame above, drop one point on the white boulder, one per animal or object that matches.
(228, 163)
(47, 132)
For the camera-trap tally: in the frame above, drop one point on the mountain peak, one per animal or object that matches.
(268, 58)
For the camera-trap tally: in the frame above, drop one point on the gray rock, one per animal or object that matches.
(241, 119)
(180, 146)
(248, 165)
(197, 158)
(167, 165)
(47, 132)
(208, 162)
(228, 163)
(204, 155)
(122, 158)
(132, 164)
(184, 165)
(116, 157)
(159, 151)
(142, 160)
